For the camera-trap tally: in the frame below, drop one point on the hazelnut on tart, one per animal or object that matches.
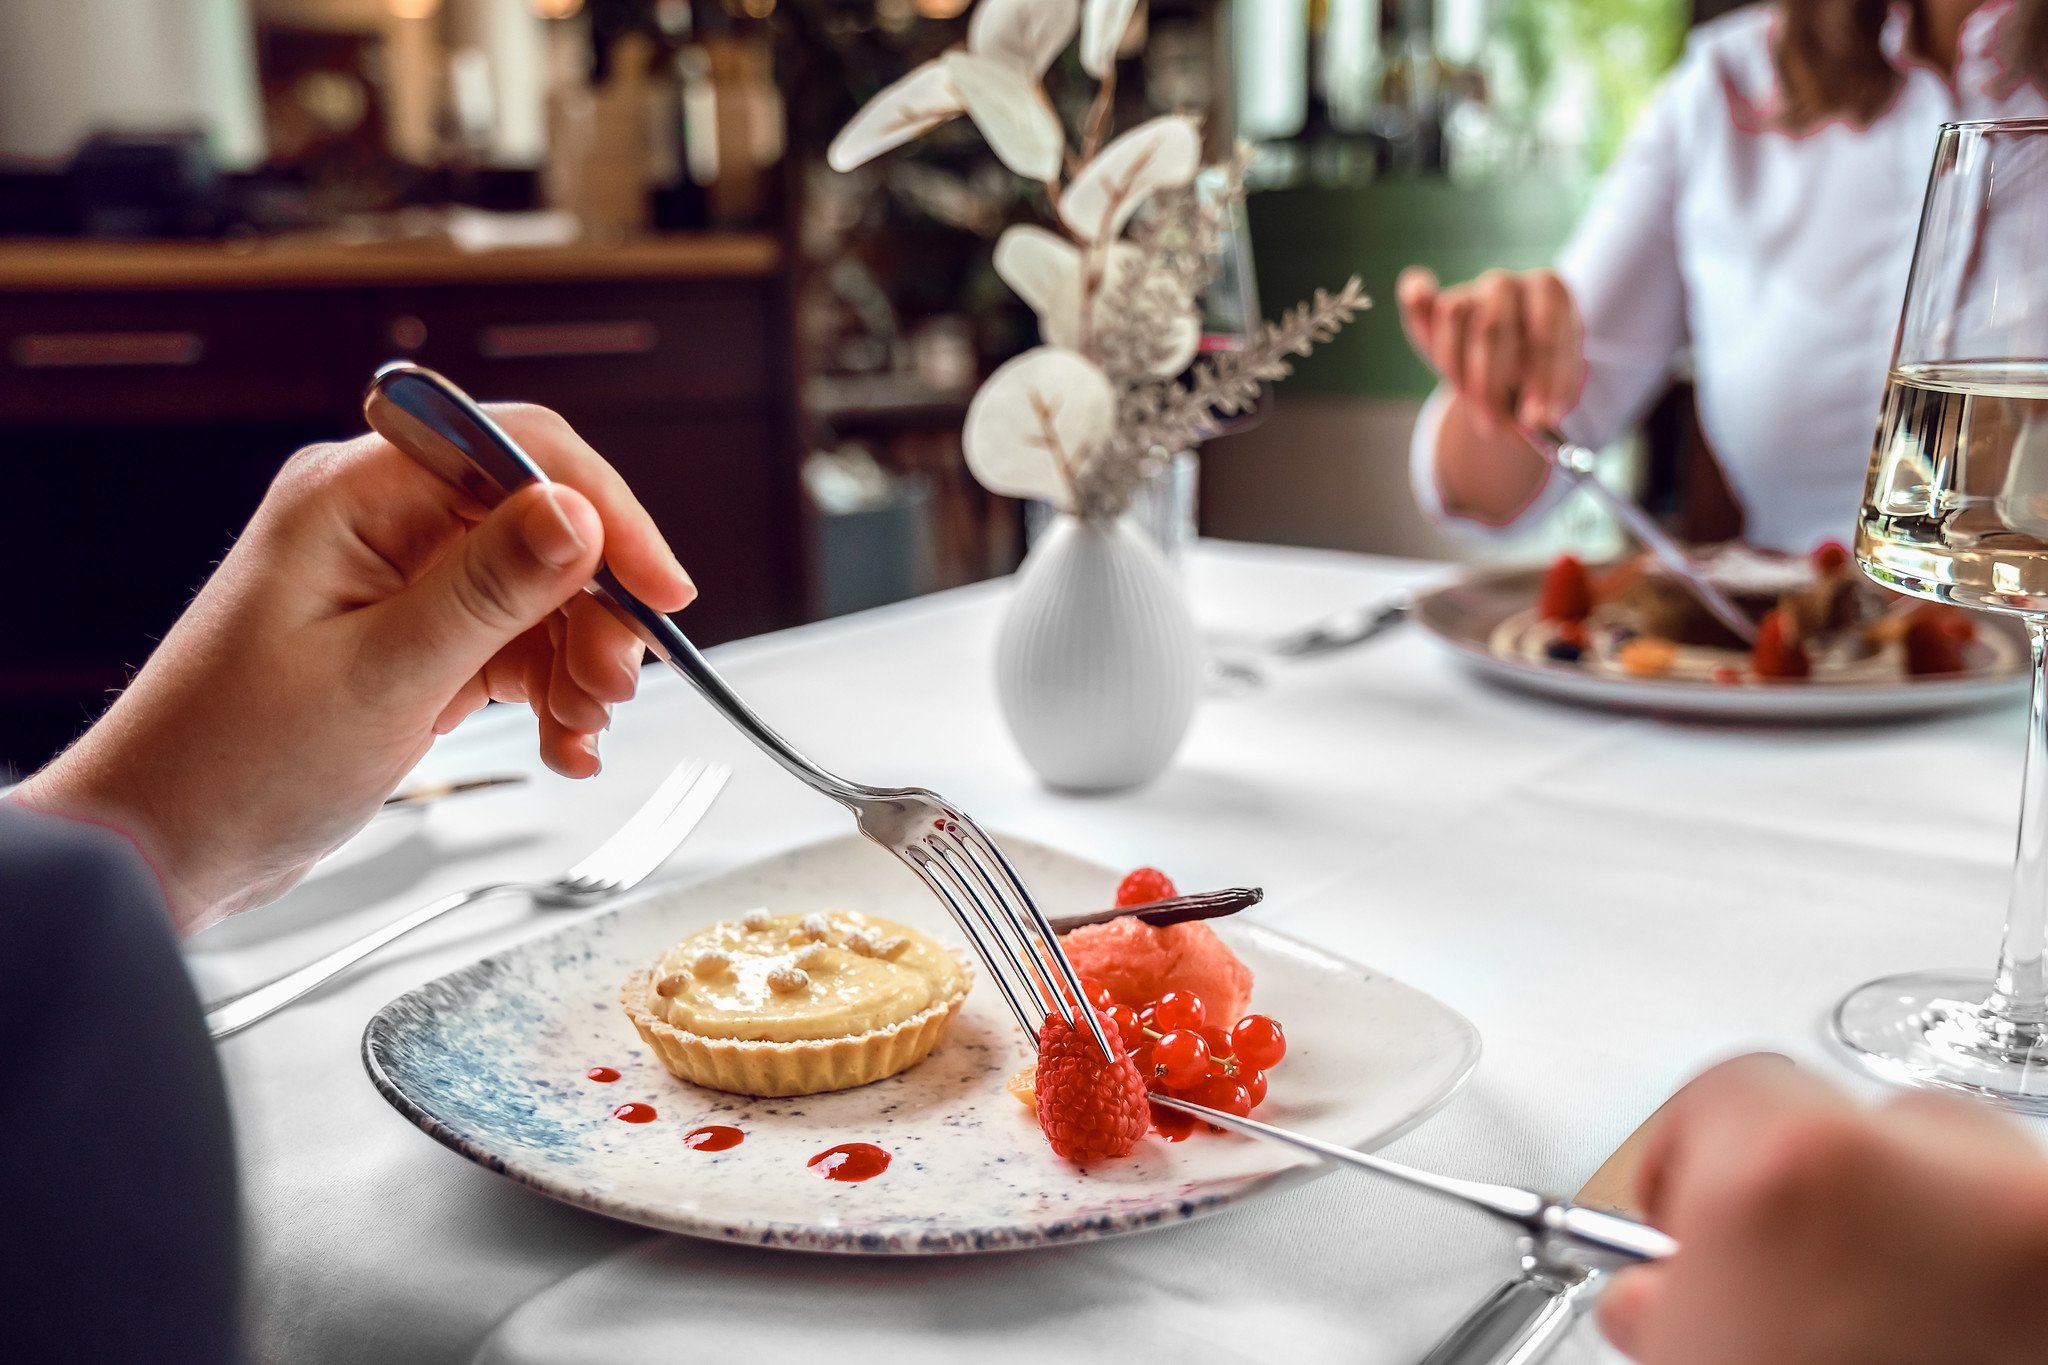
(797, 1004)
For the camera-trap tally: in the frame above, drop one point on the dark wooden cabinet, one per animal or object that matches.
(149, 393)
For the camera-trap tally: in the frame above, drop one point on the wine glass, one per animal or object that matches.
(1956, 509)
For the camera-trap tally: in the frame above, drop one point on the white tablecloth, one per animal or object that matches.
(1614, 902)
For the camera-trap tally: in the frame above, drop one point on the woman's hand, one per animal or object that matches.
(368, 607)
(1814, 1231)
(1508, 343)
(1509, 348)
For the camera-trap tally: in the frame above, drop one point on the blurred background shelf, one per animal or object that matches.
(149, 391)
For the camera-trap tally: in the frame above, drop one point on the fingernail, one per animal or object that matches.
(589, 743)
(676, 565)
(551, 535)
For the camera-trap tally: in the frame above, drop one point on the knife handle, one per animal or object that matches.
(1518, 1324)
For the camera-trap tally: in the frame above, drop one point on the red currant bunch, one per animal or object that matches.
(1181, 1054)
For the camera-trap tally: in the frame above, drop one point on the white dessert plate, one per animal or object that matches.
(1464, 614)
(492, 1060)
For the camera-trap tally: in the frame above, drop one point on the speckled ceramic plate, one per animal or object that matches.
(492, 1061)
(1465, 613)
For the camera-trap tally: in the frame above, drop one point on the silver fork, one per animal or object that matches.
(619, 864)
(438, 425)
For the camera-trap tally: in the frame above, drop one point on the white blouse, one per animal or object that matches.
(1780, 259)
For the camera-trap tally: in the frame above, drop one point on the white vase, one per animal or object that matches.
(1098, 665)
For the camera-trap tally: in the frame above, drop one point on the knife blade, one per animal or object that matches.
(439, 791)
(1523, 1320)
(1575, 462)
(1346, 628)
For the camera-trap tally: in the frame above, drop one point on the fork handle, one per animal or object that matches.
(234, 1015)
(442, 429)
(662, 635)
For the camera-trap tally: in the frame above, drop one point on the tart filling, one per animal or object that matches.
(796, 1004)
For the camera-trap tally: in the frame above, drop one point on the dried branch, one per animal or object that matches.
(1157, 418)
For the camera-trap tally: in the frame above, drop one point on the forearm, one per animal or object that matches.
(1483, 472)
(91, 783)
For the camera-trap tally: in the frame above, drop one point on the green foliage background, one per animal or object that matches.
(1628, 45)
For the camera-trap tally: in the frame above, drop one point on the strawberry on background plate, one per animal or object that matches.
(1567, 593)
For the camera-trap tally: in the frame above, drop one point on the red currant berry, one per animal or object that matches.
(1218, 1041)
(1173, 1125)
(1180, 1058)
(1222, 1092)
(1258, 1042)
(1097, 994)
(1179, 1009)
(1255, 1081)
(1144, 886)
(1128, 1024)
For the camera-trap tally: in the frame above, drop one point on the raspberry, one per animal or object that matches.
(1831, 557)
(1931, 647)
(1567, 592)
(1144, 886)
(1088, 1108)
(1777, 654)
(1958, 625)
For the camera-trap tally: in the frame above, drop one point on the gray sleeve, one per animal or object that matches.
(119, 1230)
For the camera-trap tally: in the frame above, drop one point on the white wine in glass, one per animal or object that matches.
(1956, 510)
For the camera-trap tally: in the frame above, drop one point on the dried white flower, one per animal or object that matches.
(788, 980)
(1103, 25)
(1025, 34)
(1034, 422)
(907, 110)
(1012, 112)
(1160, 154)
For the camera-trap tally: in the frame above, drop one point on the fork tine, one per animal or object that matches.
(922, 862)
(1038, 983)
(1029, 924)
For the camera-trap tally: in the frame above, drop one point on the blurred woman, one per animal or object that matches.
(1763, 213)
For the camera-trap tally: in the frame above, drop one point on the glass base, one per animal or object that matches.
(1938, 1029)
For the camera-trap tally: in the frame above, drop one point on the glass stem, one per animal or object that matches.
(2021, 997)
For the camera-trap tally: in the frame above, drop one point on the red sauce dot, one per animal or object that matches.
(714, 1137)
(850, 1161)
(603, 1073)
(634, 1113)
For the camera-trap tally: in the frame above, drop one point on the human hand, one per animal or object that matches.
(1816, 1232)
(1508, 343)
(368, 607)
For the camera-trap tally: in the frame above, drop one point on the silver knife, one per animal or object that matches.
(1347, 628)
(1575, 462)
(1566, 1232)
(1523, 1320)
(440, 791)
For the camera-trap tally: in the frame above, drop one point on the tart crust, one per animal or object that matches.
(806, 1067)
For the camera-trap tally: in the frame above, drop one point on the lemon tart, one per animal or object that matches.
(797, 1004)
